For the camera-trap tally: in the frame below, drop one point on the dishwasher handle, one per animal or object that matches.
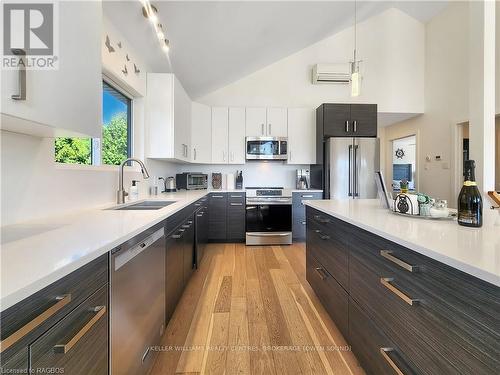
(125, 256)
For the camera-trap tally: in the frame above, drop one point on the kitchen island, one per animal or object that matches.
(410, 295)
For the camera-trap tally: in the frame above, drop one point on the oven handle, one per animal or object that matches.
(267, 234)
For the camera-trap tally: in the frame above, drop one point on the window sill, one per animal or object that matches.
(98, 168)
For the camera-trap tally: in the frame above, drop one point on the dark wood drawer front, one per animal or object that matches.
(368, 342)
(329, 247)
(78, 344)
(436, 339)
(236, 197)
(331, 294)
(447, 290)
(47, 307)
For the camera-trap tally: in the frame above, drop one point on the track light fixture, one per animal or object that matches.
(150, 12)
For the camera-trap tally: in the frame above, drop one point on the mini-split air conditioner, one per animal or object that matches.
(331, 73)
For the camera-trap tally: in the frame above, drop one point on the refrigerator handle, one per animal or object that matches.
(355, 173)
(350, 171)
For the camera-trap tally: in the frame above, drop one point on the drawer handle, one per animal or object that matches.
(320, 219)
(384, 352)
(386, 281)
(217, 196)
(307, 196)
(236, 196)
(200, 214)
(236, 204)
(303, 222)
(64, 348)
(324, 237)
(387, 254)
(23, 331)
(321, 272)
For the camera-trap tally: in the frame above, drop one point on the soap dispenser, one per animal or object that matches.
(133, 193)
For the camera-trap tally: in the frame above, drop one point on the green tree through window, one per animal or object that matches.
(116, 135)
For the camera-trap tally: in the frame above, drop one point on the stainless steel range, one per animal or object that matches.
(268, 216)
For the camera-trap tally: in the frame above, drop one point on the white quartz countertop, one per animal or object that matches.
(475, 251)
(35, 254)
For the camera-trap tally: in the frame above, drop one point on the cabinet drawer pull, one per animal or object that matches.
(236, 204)
(347, 126)
(303, 222)
(217, 196)
(27, 328)
(324, 237)
(236, 196)
(200, 214)
(386, 281)
(355, 125)
(387, 254)
(64, 348)
(321, 219)
(384, 352)
(307, 196)
(321, 272)
(186, 226)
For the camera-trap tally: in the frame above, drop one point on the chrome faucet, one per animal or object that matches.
(121, 193)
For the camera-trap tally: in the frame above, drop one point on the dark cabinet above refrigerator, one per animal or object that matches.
(347, 120)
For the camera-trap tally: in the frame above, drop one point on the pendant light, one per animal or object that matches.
(355, 74)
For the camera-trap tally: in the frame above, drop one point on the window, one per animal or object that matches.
(115, 144)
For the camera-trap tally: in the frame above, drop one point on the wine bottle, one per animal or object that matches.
(470, 203)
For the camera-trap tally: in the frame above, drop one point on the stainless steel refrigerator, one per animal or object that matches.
(349, 168)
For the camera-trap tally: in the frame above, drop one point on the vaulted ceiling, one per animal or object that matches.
(216, 43)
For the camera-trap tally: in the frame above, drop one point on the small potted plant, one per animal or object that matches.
(403, 185)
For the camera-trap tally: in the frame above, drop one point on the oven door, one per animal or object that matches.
(266, 148)
(268, 224)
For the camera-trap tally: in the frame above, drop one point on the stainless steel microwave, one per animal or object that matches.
(266, 148)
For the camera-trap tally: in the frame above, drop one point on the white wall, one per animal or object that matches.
(446, 100)
(33, 186)
(391, 46)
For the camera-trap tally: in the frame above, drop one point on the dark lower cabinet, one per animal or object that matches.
(78, 344)
(226, 217)
(376, 353)
(330, 293)
(174, 275)
(217, 229)
(33, 329)
(188, 250)
(407, 312)
(299, 212)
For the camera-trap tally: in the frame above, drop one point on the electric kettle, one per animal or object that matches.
(170, 186)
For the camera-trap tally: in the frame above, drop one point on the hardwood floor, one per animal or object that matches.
(250, 310)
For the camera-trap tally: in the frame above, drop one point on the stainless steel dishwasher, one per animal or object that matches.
(137, 301)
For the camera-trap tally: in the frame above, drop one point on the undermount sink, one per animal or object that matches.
(145, 205)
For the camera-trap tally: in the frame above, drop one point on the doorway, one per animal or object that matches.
(404, 163)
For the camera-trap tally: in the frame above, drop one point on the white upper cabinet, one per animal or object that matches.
(256, 122)
(182, 122)
(301, 136)
(276, 122)
(236, 136)
(266, 122)
(168, 118)
(201, 133)
(65, 101)
(220, 124)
